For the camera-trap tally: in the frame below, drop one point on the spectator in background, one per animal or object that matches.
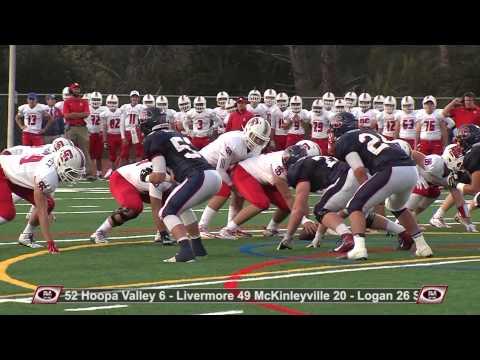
(75, 111)
(57, 128)
(239, 118)
(30, 119)
(463, 110)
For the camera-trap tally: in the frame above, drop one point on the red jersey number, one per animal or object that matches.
(318, 126)
(31, 158)
(32, 119)
(114, 123)
(408, 124)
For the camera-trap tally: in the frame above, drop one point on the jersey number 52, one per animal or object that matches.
(183, 145)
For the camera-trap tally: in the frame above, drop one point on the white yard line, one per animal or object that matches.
(230, 312)
(93, 308)
(26, 300)
(84, 206)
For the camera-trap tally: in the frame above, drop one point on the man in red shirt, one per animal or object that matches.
(238, 119)
(463, 110)
(75, 110)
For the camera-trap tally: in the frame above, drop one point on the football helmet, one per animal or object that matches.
(429, 98)
(258, 131)
(365, 101)
(231, 105)
(390, 104)
(162, 103)
(66, 93)
(312, 148)
(86, 96)
(70, 163)
(467, 136)
(340, 106)
(296, 104)
(112, 102)
(378, 102)
(317, 107)
(408, 104)
(343, 122)
(222, 98)
(200, 104)
(292, 154)
(60, 142)
(96, 99)
(453, 157)
(254, 97)
(282, 101)
(350, 99)
(328, 100)
(184, 103)
(153, 119)
(269, 97)
(148, 100)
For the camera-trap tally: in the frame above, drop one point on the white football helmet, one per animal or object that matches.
(340, 106)
(96, 99)
(200, 104)
(254, 97)
(231, 105)
(112, 102)
(222, 98)
(404, 145)
(60, 142)
(312, 148)
(365, 101)
(282, 101)
(328, 100)
(430, 98)
(296, 103)
(258, 131)
(453, 157)
(148, 100)
(350, 99)
(65, 93)
(390, 104)
(269, 97)
(408, 104)
(162, 103)
(378, 102)
(70, 163)
(317, 107)
(184, 103)
(86, 96)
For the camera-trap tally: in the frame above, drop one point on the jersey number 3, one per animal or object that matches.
(183, 145)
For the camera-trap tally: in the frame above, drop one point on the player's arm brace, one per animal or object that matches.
(356, 163)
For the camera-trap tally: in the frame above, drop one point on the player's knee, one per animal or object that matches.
(122, 215)
(320, 213)
(171, 221)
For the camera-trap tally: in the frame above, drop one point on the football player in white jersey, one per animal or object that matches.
(407, 121)
(184, 105)
(389, 119)
(278, 130)
(162, 104)
(366, 116)
(378, 102)
(30, 119)
(227, 150)
(35, 178)
(296, 121)
(328, 101)
(201, 121)
(262, 180)
(95, 131)
(339, 106)
(112, 139)
(220, 110)
(268, 105)
(320, 123)
(431, 129)
(130, 133)
(130, 189)
(254, 98)
(350, 101)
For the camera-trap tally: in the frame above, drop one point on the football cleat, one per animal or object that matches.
(439, 222)
(26, 239)
(99, 237)
(240, 233)
(205, 234)
(227, 234)
(359, 253)
(163, 239)
(345, 244)
(469, 227)
(185, 254)
(198, 248)
(270, 232)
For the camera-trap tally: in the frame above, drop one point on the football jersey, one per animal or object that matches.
(434, 170)
(376, 154)
(33, 117)
(387, 122)
(277, 122)
(265, 167)
(231, 146)
(366, 119)
(320, 124)
(94, 122)
(132, 174)
(267, 111)
(179, 118)
(202, 123)
(296, 120)
(180, 156)
(430, 129)
(320, 171)
(28, 171)
(30, 150)
(112, 120)
(407, 125)
(257, 111)
(130, 116)
(221, 114)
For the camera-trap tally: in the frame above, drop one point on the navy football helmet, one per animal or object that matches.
(342, 123)
(153, 119)
(292, 154)
(467, 136)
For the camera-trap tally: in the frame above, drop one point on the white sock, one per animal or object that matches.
(342, 229)
(105, 227)
(29, 229)
(272, 225)
(440, 213)
(232, 226)
(393, 227)
(232, 212)
(207, 216)
(359, 241)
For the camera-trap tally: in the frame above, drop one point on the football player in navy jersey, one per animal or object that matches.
(198, 182)
(393, 177)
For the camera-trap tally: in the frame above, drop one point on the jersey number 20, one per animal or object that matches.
(183, 145)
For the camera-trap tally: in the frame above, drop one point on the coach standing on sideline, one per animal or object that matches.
(239, 118)
(75, 110)
(463, 110)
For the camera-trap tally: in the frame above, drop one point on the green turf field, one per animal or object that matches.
(132, 260)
